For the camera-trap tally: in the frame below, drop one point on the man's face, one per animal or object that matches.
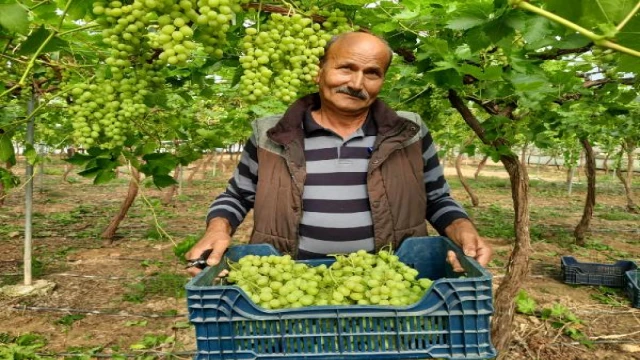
(353, 73)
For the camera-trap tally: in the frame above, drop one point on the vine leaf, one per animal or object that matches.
(536, 29)
(7, 153)
(79, 159)
(79, 9)
(35, 40)
(471, 16)
(162, 181)
(104, 176)
(407, 15)
(14, 18)
(384, 27)
(30, 154)
(629, 35)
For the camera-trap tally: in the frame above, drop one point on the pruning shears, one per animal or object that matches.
(200, 262)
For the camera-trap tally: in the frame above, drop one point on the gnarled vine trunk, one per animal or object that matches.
(111, 229)
(168, 195)
(481, 165)
(68, 166)
(590, 202)
(209, 159)
(465, 185)
(523, 154)
(627, 180)
(199, 166)
(518, 264)
(220, 164)
(605, 164)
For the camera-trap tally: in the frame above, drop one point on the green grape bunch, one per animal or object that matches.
(360, 278)
(168, 26)
(105, 111)
(142, 38)
(280, 55)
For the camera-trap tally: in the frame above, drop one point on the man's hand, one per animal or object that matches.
(463, 233)
(217, 237)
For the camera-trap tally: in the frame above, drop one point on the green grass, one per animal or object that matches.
(609, 296)
(25, 346)
(160, 284)
(613, 213)
(493, 221)
(63, 218)
(68, 320)
(55, 171)
(37, 270)
(7, 229)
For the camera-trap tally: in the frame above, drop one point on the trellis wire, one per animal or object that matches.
(137, 278)
(128, 355)
(94, 312)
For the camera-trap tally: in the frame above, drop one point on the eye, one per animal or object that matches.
(374, 74)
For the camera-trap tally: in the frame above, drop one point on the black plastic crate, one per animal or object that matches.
(575, 272)
(633, 287)
(452, 320)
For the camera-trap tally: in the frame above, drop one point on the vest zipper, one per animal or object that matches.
(299, 212)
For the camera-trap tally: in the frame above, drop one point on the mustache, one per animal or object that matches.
(360, 94)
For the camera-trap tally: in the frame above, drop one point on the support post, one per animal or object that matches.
(570, 182)
(28, 206)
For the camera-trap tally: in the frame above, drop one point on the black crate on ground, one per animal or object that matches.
(633, 287)
(575, 272)
(452, 320)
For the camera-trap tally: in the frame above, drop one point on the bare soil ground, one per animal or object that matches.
(126, 297)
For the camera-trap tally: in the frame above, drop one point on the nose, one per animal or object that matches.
(357, 80)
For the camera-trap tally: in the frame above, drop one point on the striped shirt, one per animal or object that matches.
(336, 214)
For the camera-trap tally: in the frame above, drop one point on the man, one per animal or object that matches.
(340, 170)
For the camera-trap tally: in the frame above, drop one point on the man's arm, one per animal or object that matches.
(236, 201)
(229, 209)
(442, 210)
(445, 214)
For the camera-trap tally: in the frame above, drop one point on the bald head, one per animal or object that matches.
(360, 38)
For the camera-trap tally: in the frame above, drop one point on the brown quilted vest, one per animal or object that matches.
(394, 180)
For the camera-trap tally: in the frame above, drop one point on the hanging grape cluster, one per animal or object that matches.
(105, 111)
(167, 26)
(143, 36)
(276, 282)
(280, 55)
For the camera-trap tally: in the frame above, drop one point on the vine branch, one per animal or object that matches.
(597, 39)
(629, 16)
(471, 120)
(44, 43)
(551, 55)
(86, 27)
